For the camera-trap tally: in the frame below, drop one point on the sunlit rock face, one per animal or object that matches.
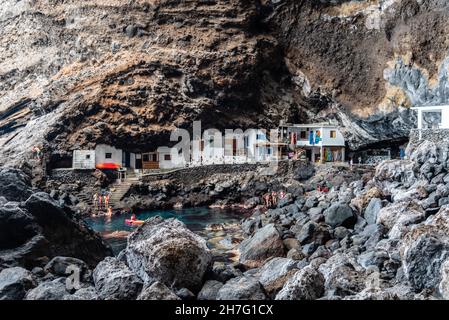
(73, 74)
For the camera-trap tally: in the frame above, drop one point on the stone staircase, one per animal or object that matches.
(120, 189)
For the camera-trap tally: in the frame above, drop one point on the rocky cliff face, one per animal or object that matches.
(78, 73)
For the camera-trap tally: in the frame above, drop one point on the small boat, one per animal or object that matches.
(134, 222)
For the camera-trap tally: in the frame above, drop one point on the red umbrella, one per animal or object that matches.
(108, 165)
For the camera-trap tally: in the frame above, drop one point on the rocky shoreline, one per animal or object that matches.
(377, 234)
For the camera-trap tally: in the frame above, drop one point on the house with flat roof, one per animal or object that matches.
(432, 117)
(321, 142)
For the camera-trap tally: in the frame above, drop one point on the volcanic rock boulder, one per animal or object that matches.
(306, 284)
(51, 290)
(275, 273)
(424, 250)
(33, 231)
(157, 291)
(66, 235)
(372, 210)
(264, 244)
(15, 282)
(340, 215)
(64, 266)
(15, 184)
(115, 281)
(166, 251)
(210, 290)
(241, 288)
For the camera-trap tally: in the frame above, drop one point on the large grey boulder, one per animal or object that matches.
(15, 282)
(275, 273)
(343, 275)
(443, 287)
(241, 288)
(87, 293)
(166, 251)
(64, 266)
(264, 244)
(15, 184)
(115, 281)
(50, 290)
(210, 290)
(305, 284)
(372, 210)
(424, 250)
(340, 215)
(157, 291)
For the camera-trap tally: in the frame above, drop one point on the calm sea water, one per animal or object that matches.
(196, 219)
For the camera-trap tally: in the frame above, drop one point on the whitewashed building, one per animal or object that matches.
(433, 117)
(322, 142)
(83, 159)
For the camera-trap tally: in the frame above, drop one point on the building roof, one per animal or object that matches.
(438, 106)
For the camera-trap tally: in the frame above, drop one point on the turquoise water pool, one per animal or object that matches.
(115, 231)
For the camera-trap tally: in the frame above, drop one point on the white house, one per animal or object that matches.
(83, 159)
(433, 117)
(322, 142)
(105, 154)
(170, 158)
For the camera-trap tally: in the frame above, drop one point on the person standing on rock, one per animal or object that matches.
(274, 199)
(351, 163)
(266, 198)
(106, 200)
(100, 201)
(281, 194)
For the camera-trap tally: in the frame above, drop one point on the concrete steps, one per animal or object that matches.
(121, 189)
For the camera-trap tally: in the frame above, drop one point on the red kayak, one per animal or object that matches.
(108, 165)
(134, 222)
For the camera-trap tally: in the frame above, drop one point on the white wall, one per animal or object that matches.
(338, 141)
(83, 159)
(326, 140)
(177, 160)
(100, 154)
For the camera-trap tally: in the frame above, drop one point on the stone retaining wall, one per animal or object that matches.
(202, 172)
(433, 135)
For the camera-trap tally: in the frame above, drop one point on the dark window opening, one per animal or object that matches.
(108, 155)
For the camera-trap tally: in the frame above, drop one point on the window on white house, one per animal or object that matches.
(167, 157)
(108, 155)
(333, 134)
(87, 156)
